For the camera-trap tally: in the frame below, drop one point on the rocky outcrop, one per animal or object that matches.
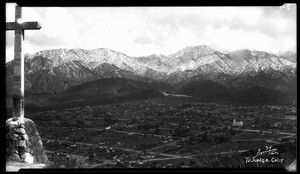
(23, 143)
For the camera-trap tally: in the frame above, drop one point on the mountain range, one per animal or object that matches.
(195, 70)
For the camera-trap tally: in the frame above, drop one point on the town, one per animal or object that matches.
(163, 132)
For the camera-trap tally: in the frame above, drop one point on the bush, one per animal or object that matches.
(157, 131)
(139, 127)
(212, 120)
(192, 163)
(80, 124)
(107, 120)
(62, 161)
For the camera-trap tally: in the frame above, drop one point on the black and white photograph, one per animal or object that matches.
(144, 87)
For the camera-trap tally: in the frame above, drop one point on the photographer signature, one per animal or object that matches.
(269, 151)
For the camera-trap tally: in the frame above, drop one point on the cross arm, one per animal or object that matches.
(31, 26)
(24, 26)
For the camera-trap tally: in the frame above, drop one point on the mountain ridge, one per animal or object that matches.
(56, 70)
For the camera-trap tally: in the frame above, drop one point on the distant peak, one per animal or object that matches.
(244, 50)
(200, 50)
(197, 47)
(101, 49)
(107, 50)
(157, 55)
(287, 53)
(250, 51)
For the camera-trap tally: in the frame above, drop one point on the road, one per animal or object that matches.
(257, 139)
(125, 149)
(269, 132)
(72, 155)
(162, 159)
(93, 145)
(125, 132)
(136, 133)
(223, 153)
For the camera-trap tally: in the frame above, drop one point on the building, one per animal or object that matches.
(235, 123)
(278, 124)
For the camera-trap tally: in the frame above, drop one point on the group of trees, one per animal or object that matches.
(147, 127)
(212, 120)
(221, 139)
(181, 131)
(207, 137)
(107, 119)
(144, 146)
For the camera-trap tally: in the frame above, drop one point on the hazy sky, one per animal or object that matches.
(141, 31)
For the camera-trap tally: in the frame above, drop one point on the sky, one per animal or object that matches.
(142, 31)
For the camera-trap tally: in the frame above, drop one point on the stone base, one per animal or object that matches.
(23, 143)
(16, 166)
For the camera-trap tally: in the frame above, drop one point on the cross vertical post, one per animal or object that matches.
(18, 77)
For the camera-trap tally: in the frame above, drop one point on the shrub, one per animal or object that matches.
(212, 120)
(63, 161)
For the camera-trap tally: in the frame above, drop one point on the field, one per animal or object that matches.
(166, 132)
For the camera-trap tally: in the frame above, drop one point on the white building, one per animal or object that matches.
(235, 123)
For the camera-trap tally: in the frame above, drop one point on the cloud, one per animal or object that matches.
(140, 31)
(238, 39)
(142, 40)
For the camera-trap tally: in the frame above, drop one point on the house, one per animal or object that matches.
(278, 124)
(235, 123)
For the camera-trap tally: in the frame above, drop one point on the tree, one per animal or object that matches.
(267, 125)
(157, 126)
(232, 131)
(107, 119)
(221, 139)
(192, 163)
(80, 124)
(91, 155)
(212, 120)
(157, 130)
(170, 130)
(204, 137)
(146, 127)
(134, 120)
(209, 114)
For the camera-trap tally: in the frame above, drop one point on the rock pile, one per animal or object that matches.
(23, 143)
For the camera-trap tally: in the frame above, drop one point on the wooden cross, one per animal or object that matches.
(18, 77)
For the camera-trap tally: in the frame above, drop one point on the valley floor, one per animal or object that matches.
(168, 132)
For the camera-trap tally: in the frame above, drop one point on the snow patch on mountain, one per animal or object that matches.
(186, 63)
